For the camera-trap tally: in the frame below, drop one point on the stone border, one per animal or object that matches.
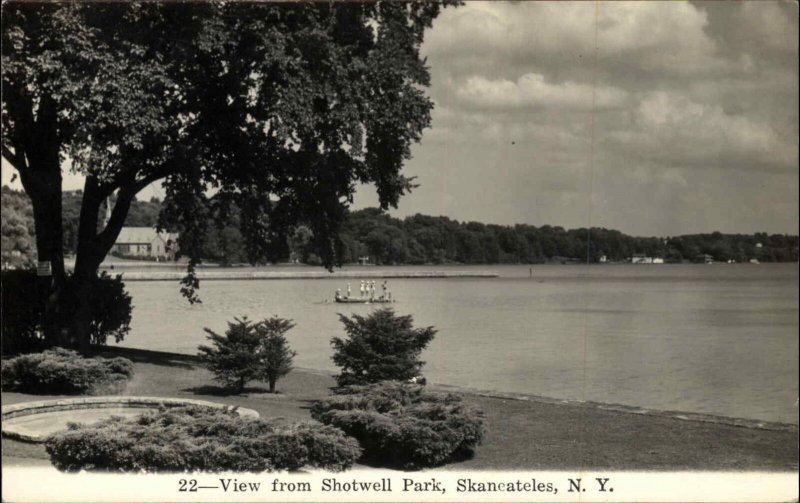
(102, 402)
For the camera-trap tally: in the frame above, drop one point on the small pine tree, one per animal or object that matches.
(379, 347)
(277, 357)
(249, 351)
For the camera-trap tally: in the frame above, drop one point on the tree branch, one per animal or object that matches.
(109, 235)
(16, 160)
(153, 177)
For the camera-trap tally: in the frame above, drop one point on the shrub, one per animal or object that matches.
(61, 371)
(111, 309)
(190, 438)
(249, 351)
(22, 311)
(379, 347)
(398, 424)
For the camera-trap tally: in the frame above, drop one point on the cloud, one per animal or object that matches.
(761, 29)
(646, 36)
(658, 36)
(674, 130)
(532, 91)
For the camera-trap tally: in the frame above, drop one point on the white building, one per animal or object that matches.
(145, 242)
(641, 258)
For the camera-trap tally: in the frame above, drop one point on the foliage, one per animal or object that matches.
(249, 351)
(16, 229)
(194, 438)
(61, 371)
(301, 248)
(381, 346)
(22, 311)
(398, 424)
(421, 239)
(285, 106)
(110, 309)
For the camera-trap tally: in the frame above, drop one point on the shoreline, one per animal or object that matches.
(523, 433)
(699, 417)
(277, 275)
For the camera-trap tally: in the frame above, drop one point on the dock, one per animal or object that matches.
(205, 275)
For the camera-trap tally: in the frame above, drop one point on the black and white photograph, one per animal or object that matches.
(400, 251)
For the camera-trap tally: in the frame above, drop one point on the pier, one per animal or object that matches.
(206, 275)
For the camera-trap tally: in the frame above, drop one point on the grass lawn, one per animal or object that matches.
(522, 435)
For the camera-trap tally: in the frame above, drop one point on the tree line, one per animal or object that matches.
(419, 239)
(422, 239)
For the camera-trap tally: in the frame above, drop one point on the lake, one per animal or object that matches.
(718, 339)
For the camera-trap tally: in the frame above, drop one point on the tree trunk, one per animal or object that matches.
(42, 182)
(92, 250)
(272, 382)
(80, 325)
(36, 157)
(49, 249)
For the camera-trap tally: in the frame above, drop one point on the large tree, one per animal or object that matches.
(285, 107)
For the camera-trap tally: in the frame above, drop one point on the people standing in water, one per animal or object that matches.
(367, 289)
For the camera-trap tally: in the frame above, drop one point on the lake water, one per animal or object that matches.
(719, 339)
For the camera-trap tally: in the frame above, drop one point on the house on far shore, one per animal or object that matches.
(146, 243)
(641, 258)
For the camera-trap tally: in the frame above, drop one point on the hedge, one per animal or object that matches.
(61, 371)
(191, 438)
(399, 424)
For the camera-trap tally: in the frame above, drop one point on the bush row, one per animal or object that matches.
(194, 438)
(394, 423)
(61, 371)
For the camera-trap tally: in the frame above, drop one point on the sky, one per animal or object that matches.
(653, 118)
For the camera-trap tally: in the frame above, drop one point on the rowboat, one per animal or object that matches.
(360, 300)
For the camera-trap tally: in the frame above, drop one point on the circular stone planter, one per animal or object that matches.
(35, 421)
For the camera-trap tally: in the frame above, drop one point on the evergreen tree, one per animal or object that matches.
(379, 347)
(249, 351)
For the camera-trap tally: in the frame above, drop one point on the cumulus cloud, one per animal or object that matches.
(650, 36)
(531, 90)
(674, 130)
